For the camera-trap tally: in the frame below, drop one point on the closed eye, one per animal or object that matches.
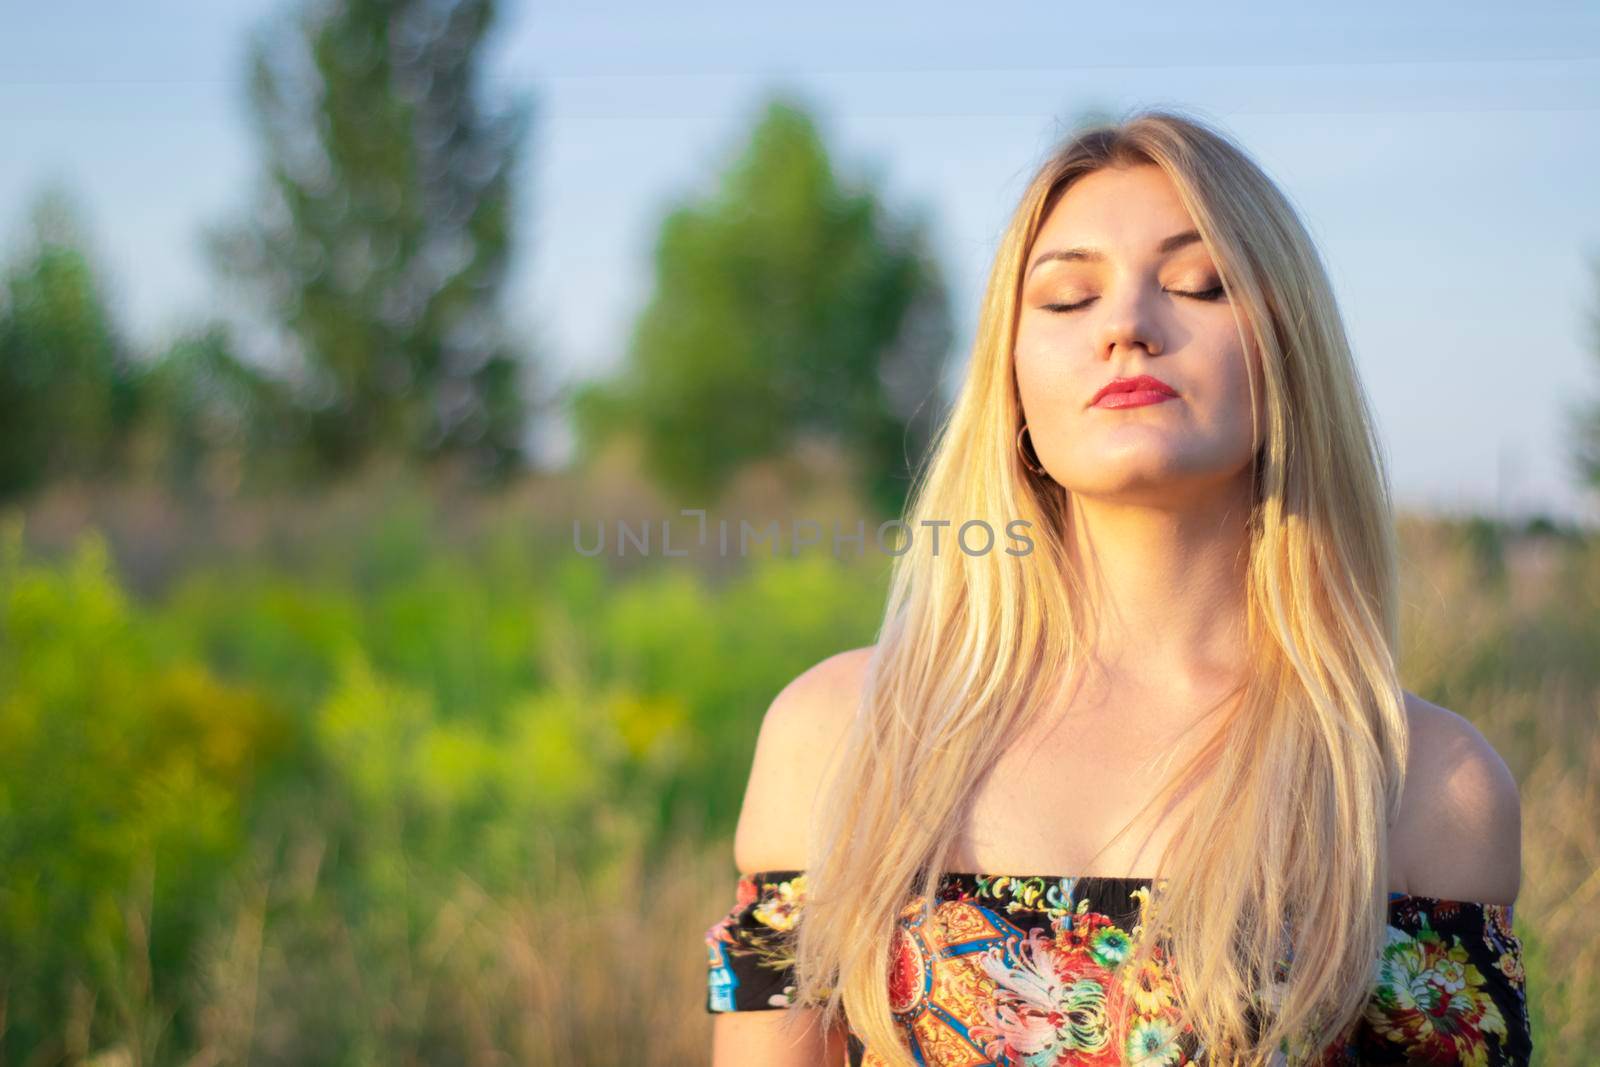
(1066, 307)
(1211, 295)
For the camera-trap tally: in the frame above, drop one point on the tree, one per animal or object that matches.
(67, 376)
(384, 229)
(785, 305)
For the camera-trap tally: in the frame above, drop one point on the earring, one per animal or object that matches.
(1027, 461)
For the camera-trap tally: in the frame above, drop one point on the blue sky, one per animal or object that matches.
(1444, 156)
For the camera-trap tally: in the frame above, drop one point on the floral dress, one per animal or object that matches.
(1025, 970)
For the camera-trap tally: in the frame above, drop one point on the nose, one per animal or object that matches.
(1126, 322)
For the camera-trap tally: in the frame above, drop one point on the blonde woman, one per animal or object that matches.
(1150, 793)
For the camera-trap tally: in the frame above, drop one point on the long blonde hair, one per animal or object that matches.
(1285, 844)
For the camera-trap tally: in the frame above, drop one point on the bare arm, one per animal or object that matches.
(759, 1039)
(798, 736)
(1459, 835)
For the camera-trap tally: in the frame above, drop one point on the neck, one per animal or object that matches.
(1167, 583)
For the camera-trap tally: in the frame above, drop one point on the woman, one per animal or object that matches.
(1152, 792)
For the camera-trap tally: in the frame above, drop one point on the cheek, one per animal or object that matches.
(1249, 389)
(1044, 377)
(1234, 411)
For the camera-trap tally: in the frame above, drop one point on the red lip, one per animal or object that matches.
(1143, 383)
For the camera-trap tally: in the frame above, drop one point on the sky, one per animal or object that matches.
(1443, 157)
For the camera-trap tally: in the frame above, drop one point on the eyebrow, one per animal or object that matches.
(1094, 255)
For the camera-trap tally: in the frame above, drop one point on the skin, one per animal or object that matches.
(1161, 493)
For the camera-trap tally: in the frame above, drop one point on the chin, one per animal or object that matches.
(1133, 490)
(1153, 485)
(1116, 475)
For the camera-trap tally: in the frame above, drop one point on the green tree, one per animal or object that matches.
(383, 234)
(67, 377)
(786, 305)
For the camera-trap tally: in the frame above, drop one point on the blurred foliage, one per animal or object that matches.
(383, 234)
(82, 402)
(786, 304)
(210, 420)
(67, 376)
(456, 707)
(124, 770)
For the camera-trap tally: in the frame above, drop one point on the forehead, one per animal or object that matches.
(1122, 211)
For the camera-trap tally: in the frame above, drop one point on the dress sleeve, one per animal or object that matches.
(750, 952)
(1448, 988)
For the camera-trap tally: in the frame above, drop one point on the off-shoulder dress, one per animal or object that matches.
(1024, 969)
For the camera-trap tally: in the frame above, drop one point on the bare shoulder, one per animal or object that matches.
(1459, 834)
(799, 738)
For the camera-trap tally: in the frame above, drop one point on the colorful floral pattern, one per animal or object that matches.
(1033, 971)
